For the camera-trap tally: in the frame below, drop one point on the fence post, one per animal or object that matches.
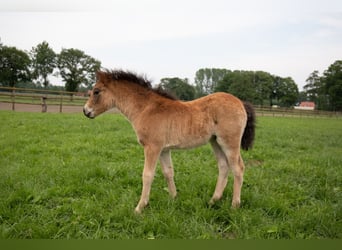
(61, 102)
(13, 99)
(44, 106)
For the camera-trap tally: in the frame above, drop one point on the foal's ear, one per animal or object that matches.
(102, 77)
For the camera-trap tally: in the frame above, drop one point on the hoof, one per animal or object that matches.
(211, 202)
(137, 211)
(235, 204)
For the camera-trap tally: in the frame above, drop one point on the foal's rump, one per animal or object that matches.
(219, 114)
(232, 117)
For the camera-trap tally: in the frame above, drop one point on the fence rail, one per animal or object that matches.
(271, 111)
(63, 101)
(41, 98)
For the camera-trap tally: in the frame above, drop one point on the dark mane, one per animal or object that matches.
(121, 75)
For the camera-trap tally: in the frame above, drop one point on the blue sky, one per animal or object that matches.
(176, 38)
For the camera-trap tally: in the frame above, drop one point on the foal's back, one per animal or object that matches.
(177, 124)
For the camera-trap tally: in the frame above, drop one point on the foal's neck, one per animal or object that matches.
(131, 99)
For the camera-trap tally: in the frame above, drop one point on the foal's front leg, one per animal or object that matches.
(151, 157)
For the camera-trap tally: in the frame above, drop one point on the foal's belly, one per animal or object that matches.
(187, 142)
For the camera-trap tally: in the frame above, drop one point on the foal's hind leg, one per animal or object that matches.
(236, 164)
(223, 171)
(167, 169)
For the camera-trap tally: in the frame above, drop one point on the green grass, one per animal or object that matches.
(65, 176)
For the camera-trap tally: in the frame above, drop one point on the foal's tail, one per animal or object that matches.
(249, 133)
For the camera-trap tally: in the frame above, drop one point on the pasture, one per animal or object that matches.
(65, 176)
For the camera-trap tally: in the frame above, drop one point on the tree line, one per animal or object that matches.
(257, 87)
(263, 88)
(77, 70)
(325, 89)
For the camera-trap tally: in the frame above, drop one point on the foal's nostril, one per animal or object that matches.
(88, 113)
(85, 112)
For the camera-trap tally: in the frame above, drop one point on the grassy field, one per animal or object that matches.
(65, 176)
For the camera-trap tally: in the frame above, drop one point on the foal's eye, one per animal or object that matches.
(96, 92)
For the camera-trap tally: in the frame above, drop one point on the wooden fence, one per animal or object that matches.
(278, 112)
(40, 100)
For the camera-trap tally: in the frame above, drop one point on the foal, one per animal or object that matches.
(162, 123)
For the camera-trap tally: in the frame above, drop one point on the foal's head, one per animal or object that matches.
(100, 99)
(103, 96)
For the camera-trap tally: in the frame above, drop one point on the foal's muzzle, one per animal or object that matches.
(88, 113)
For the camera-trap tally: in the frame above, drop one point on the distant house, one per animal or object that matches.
(306, 106)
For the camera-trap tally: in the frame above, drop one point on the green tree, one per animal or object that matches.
(332, 79)
(276, 92)
(14, 66)
(313, 85)
(180, 87)
(242, 85)
(253, 86)
(284, 91)
(289, 92)
(315, 90)
(207, 79)
(76, 68)
(43, 63)
(263, 86)
(326, 90)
